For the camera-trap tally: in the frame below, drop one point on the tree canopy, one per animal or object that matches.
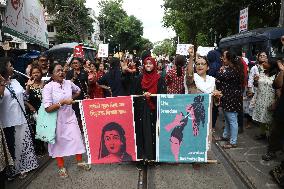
(165, 47)
(119, 29)
(199, 21)
(72, 20)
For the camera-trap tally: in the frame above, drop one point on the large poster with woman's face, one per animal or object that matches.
(109, 130)
(183, 125)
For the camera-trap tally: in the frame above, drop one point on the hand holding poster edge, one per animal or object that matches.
(157, 131)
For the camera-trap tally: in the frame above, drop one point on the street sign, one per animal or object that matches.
(243, 25)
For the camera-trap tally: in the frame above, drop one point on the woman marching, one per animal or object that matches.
(199, 82)
(175, 77)
(230, 80)
(16, 129)
(150, 82)
(58, 96)
(113, 80)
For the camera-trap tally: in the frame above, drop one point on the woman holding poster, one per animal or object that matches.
(199, 82)
(58, 96)
(150, 82)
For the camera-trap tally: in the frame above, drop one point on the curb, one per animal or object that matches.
(22, 184)
(238, 170)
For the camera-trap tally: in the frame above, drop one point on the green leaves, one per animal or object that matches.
(165, 47)
(72, 20)
(120, 29)
(198, 21)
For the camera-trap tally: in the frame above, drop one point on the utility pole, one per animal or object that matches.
(281, 18)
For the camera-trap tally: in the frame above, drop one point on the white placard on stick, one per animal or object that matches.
(203, 51)
(103, 50)
(182, 49)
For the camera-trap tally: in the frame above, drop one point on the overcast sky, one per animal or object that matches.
(149, 12)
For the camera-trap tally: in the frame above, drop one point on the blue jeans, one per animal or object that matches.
(231, 126)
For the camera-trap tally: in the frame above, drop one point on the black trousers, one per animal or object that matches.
(2, 179)
(215, 113)
(145, 128)
(241, 120)
(9, 133)
(276, 136)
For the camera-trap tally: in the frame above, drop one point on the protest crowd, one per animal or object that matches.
(247, 94)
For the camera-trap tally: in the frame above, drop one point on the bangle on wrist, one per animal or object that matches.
(59, 104)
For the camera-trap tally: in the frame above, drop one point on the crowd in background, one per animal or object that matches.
(242, 90)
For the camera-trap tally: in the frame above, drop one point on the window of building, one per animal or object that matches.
(50, 28)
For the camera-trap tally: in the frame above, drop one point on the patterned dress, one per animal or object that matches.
(5, 156)
(229, 84)
(264, 99)
(16, 130)
(175, 84)
(99, 92)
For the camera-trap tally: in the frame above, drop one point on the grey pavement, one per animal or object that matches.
(125, 176)
(247, 157)
(239, 167)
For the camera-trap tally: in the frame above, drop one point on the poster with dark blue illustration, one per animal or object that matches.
(183, 128)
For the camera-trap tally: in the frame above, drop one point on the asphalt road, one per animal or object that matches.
(127, 176)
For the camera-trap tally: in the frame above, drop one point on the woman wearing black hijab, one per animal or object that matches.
(113, 80)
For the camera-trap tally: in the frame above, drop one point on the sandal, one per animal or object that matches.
(229, 146)
(11, 178)
(221, 139)
(248, 126)
(268, 156)
(84, 165)
(62, 173)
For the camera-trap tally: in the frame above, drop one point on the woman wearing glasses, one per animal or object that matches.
(199, 82)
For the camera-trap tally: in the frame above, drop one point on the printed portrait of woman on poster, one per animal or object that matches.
(109, 130)
(113, 144)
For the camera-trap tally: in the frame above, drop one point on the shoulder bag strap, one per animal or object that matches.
(15, 96)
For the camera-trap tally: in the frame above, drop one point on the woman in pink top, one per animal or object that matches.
(58, 96)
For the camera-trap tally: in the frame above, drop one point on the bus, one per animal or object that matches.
(251, 42)
(62, 52)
